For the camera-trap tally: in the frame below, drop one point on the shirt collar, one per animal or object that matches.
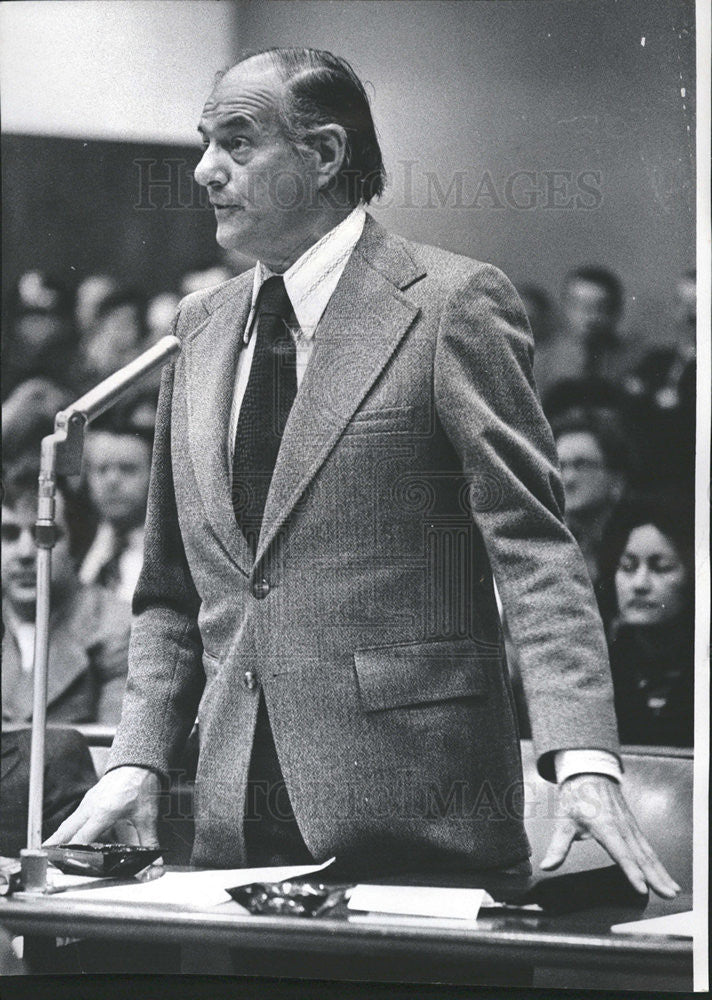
(312, 278)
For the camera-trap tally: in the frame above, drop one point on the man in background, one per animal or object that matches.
(89, 629)
(118, 464)
(595, 469)
(588, 343)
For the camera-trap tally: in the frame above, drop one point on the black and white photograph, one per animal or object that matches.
(355, 497)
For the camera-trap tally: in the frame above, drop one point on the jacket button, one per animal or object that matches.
(249, 679)
(260, 589)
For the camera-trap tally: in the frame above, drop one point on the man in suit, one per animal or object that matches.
(89, 630)
(118, 464)
(326, 513)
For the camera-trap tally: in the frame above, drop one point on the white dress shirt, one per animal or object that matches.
(128, 553)
(310, 282)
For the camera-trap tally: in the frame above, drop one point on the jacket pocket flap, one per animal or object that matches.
(413, 673)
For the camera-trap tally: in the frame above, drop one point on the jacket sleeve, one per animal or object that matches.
(488, 405)
(165, 679)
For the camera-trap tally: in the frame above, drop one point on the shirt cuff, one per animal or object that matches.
(570, 762)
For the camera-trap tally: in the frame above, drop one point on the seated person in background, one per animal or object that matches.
(68, 775)
(39, 361)
(663, 388)
(588, 343)
(648, 553)
(595, 464)
(91, 292)
(117, 336)
(118, 465)
(657, 376)
(28, 415)
(577, 397)
(41, 340)
(89, 628)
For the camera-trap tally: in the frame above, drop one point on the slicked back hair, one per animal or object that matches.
(322, 89)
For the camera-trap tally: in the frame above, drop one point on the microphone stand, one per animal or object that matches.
(61, 454)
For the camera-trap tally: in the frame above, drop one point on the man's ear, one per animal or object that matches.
(330, 145)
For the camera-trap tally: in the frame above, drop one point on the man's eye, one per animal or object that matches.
(238, 144)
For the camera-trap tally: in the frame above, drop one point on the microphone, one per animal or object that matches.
(62, 451)
(93, 403)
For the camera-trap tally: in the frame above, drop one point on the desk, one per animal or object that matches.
(339, 948)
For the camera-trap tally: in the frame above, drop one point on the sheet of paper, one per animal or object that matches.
(679, 924)
(417, 901)
(60, 880)
(195, 890)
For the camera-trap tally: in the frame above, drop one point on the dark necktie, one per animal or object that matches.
(268, 398)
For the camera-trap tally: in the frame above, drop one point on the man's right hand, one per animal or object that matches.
(125, 795)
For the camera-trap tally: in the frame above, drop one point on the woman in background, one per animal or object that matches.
(649, 560)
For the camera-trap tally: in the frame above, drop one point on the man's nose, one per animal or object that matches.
(211, 171)
(26, 545)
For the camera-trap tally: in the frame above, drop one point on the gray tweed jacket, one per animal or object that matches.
(416, 462)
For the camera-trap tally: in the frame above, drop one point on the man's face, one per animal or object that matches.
(651, 580)
(18, 555)
(118, 468)
(589, 485)
(589, 310)
(261, 187)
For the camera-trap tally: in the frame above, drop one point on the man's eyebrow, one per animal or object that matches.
(230, 121)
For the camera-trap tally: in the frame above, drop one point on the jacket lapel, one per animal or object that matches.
(71, 635)
(211, 358)
(16, 685)
(363, 324)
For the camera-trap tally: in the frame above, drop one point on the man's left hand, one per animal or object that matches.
(592, 805)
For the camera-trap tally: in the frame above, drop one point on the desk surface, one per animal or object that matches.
(427, 952)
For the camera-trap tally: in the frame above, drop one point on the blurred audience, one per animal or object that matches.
(662, 385)
(117, 335)
(588, 343)
(89, 629)
(118, 464)
(28, 415)
(91, 292)
(39, 361)
(648, 557)
(205, 277)
(537, 306)
(595, 466)
(160, 313)
(40, 339)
